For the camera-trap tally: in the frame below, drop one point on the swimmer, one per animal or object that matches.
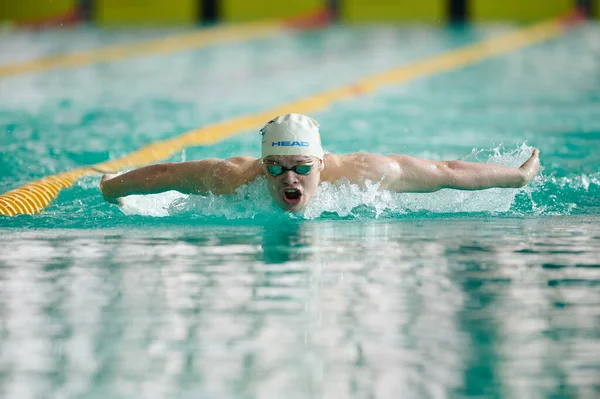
(294, 164)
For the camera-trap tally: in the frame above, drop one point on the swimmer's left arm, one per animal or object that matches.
(420, 175)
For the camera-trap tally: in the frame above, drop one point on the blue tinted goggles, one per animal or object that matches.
(301, 169)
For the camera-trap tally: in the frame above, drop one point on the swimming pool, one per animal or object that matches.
(367, 294)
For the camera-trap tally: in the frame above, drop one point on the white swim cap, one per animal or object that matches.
(291, 134)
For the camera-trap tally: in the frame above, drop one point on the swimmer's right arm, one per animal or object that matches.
(194, 177)
(421, 175)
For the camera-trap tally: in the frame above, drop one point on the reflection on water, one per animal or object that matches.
(406, 308)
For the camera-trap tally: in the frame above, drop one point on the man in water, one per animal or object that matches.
(294, 164)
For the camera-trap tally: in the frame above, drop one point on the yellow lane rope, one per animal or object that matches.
(33, 197)
(171, 44)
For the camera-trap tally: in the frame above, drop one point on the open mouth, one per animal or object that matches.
(292, 196)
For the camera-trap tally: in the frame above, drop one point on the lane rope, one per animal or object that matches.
(224, 33)
(199, 38)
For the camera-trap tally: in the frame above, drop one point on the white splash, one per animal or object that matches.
(151, 205)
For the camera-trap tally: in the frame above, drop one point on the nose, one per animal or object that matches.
(289, 178)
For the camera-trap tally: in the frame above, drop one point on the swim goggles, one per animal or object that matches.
(301, 169)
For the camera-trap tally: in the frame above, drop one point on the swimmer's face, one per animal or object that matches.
(292, 190)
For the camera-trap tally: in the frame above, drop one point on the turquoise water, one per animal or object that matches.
(366, 294)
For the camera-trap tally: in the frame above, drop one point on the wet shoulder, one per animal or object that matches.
(243, 166)
(231, 173)
(357, 167)
(342, 166)
(352, 160)
(242, 159)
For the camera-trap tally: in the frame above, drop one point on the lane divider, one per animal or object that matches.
(35, 196)
(199, 38)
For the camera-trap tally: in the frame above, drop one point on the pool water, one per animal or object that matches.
(365, 294)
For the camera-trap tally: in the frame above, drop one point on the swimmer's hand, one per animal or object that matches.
(108, 198)
(530, 168)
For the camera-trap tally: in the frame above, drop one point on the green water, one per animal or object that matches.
(366, 294)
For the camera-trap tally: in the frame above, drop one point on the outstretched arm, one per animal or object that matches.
(195, 177)
(420, 175)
